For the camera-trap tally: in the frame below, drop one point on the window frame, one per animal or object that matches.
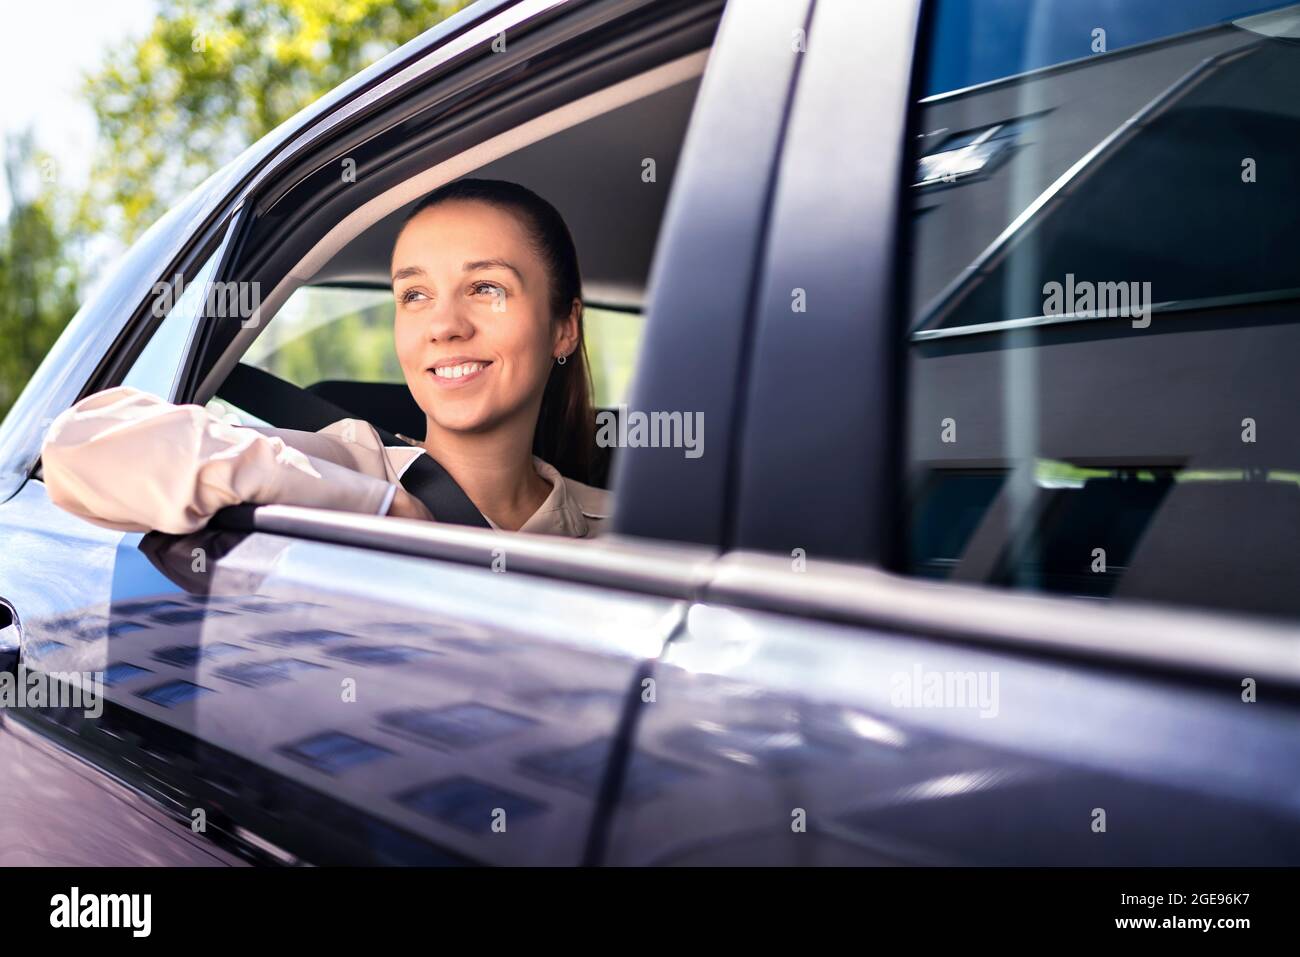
(722, 89)
(987, 566)
(215, 248)
(848, 268)
(438, 89)
(866, 587)
(706, 266)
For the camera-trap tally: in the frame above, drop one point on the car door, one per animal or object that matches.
(299, 686)
(462, 695)
(137, 612)
(826, 704)
(60, 580)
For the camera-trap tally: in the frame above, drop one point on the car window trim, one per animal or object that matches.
(1140, 636)
(1177, 642)
(663, 569)
(196, 330)
(1172, 307)
(186, 382)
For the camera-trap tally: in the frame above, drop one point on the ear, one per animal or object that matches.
(565, 331)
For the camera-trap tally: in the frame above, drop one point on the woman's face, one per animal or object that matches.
(474, 332)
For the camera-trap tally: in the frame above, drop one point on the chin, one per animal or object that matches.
(467, 420)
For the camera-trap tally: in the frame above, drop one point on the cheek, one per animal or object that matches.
(526, 345)
(406, 343)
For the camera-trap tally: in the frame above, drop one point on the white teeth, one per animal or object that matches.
(455, 372)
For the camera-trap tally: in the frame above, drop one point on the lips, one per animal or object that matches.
(458, 370)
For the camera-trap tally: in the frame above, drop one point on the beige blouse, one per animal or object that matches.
(128, 460)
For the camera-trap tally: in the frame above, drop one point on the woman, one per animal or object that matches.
(488, 333)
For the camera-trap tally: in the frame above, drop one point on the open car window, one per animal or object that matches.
(330, 332)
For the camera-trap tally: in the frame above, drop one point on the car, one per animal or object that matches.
(970, 570)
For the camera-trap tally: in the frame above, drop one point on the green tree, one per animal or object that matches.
(210, 78)
(38, 275)
(206, 81)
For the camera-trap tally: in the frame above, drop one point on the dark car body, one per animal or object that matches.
(738, 674)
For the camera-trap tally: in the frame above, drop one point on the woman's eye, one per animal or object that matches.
(412, 295)
(487, 288)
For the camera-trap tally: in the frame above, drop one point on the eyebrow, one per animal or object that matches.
(490, 264)
(407, 271)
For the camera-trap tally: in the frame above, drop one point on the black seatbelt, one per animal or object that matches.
(285, 405)
(427, 480)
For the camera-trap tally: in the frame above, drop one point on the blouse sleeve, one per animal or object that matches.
(128, 460)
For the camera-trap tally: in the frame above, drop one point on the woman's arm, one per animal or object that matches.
(128, 460)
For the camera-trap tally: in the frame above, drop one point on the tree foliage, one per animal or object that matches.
(207, 80)
(211, 78)
(38, 277)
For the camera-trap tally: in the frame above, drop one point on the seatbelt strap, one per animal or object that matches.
(428, 481)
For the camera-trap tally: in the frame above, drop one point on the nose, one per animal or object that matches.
(447, 321)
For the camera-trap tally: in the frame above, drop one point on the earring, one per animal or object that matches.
(562, 360)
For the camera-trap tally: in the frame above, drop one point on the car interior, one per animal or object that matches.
(323, 347)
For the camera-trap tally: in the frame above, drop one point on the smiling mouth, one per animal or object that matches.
(459, 370)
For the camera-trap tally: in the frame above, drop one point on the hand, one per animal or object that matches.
(406, 505)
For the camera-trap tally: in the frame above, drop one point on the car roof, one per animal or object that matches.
(591, 173)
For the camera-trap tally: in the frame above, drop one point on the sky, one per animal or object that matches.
(45, 47)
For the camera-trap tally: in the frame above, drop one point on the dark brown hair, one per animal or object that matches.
(566, 424)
